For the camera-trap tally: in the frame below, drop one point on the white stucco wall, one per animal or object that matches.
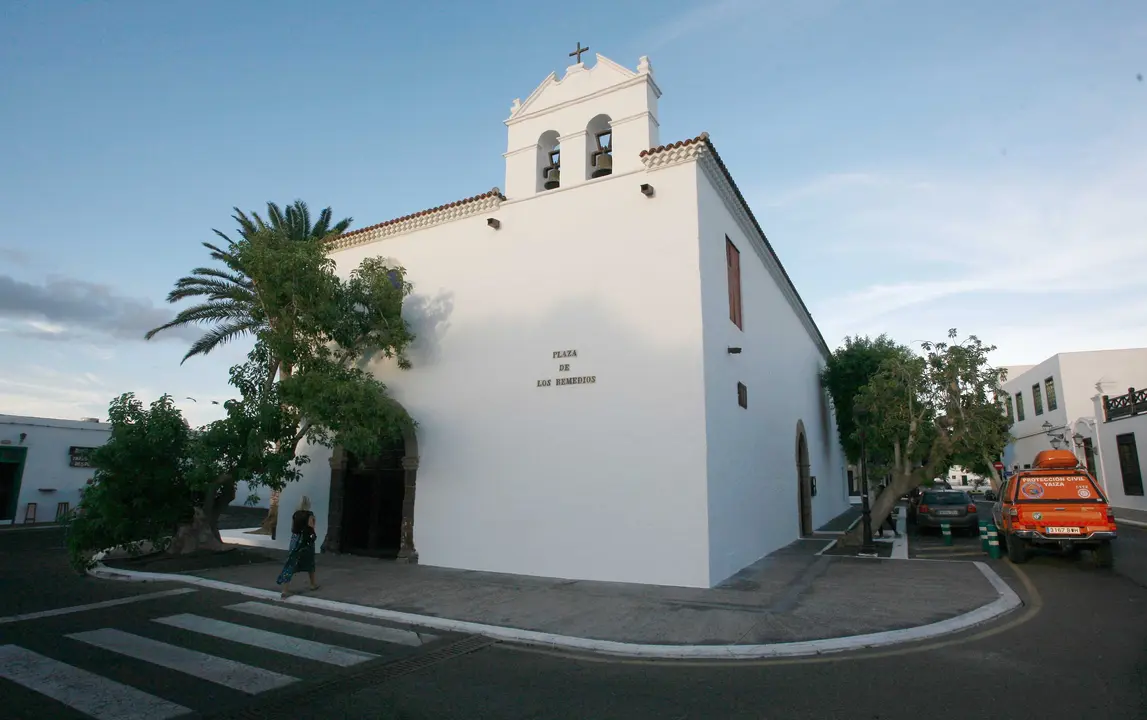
(46, 460)
(602, 481)
(1112, 470)
(754, 505)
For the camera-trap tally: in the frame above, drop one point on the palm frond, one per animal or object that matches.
(235, 278)
(209, 312)
(219, 335)
(211, 288)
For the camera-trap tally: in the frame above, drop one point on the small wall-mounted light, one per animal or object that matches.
(494, 223)
(646, 189)
(23, 437)
(734, 351)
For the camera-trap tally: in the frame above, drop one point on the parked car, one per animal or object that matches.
(956, 508)
(1055, 504)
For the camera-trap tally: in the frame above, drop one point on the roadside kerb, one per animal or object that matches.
(1007, 601)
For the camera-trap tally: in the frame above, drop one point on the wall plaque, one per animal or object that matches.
(562, 379)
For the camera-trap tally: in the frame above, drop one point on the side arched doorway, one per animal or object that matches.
(371, 509)
(804, 481)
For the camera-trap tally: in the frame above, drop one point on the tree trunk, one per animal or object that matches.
(881, 508)
(268, 527)
(994, 478)
(272, 519)
(202, 533)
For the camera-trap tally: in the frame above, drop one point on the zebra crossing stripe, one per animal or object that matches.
(335, 624)
(308, 649)
(81, 690)
(221, 671)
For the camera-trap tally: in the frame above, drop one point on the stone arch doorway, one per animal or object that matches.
(371, 509)
(804, 481)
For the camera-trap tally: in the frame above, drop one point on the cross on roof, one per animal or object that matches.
(577, 53)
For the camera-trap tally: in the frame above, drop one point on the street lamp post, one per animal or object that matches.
(867, 546)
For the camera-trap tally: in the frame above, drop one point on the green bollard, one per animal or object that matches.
(984, 536)
(993, 543)
(947, 530)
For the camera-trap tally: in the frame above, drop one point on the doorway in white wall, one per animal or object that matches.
(372, 503)
(11, 471)
(804, 481)
(371, 509)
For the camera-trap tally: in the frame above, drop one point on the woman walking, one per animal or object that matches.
(301, 556)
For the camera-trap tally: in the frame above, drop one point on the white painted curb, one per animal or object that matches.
(1123, 521)
(1006, 602)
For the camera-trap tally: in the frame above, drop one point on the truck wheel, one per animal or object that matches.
(1017, 551)
(1104, 555)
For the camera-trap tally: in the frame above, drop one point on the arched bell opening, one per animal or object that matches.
(599, 148)
(549, 161)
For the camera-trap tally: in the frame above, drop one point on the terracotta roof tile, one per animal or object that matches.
(703, 137)
(495, 192)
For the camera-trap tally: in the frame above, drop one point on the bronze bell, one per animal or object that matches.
(552, 176)
(602, 164)
(602, 160)
(552, 172)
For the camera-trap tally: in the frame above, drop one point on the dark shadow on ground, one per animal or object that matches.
(162, 563)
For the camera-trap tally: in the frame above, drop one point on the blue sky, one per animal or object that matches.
(918, 165)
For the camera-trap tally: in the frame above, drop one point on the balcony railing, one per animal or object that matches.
(1125, 406)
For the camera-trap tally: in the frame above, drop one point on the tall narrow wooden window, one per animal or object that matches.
(742, 395)
(733, 265)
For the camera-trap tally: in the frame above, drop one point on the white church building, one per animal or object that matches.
(614, 377)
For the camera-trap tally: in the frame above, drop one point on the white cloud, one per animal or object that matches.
(1033, 263)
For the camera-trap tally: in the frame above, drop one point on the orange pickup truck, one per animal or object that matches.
(1057, 504)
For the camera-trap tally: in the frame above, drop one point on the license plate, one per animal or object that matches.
(947, 512)
(1063, 531)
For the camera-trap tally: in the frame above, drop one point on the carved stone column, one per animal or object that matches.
(406, 551)
(333, 541)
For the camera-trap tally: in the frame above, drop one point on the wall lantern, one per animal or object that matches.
(647, 190)
(734, 351)
(494, 223)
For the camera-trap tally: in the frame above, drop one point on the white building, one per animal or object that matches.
(1054, 402)
(1122, 426)
(44, 465)
(614, 377)
(961, 478)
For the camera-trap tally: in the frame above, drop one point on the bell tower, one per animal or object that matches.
(590, 124)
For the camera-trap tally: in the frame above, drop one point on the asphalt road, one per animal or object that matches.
(1077, 649)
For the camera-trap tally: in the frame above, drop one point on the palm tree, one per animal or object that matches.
(231, 303)
(231, 299)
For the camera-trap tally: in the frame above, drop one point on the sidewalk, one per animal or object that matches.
(788, 598)
(1128, 516)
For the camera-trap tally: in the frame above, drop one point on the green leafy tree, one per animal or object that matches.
(239, 302)
(926, 411)
(232, 299)
(139, 490)
(337, 328)
(849, 369)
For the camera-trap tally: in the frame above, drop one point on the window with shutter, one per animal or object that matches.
(733, 265)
